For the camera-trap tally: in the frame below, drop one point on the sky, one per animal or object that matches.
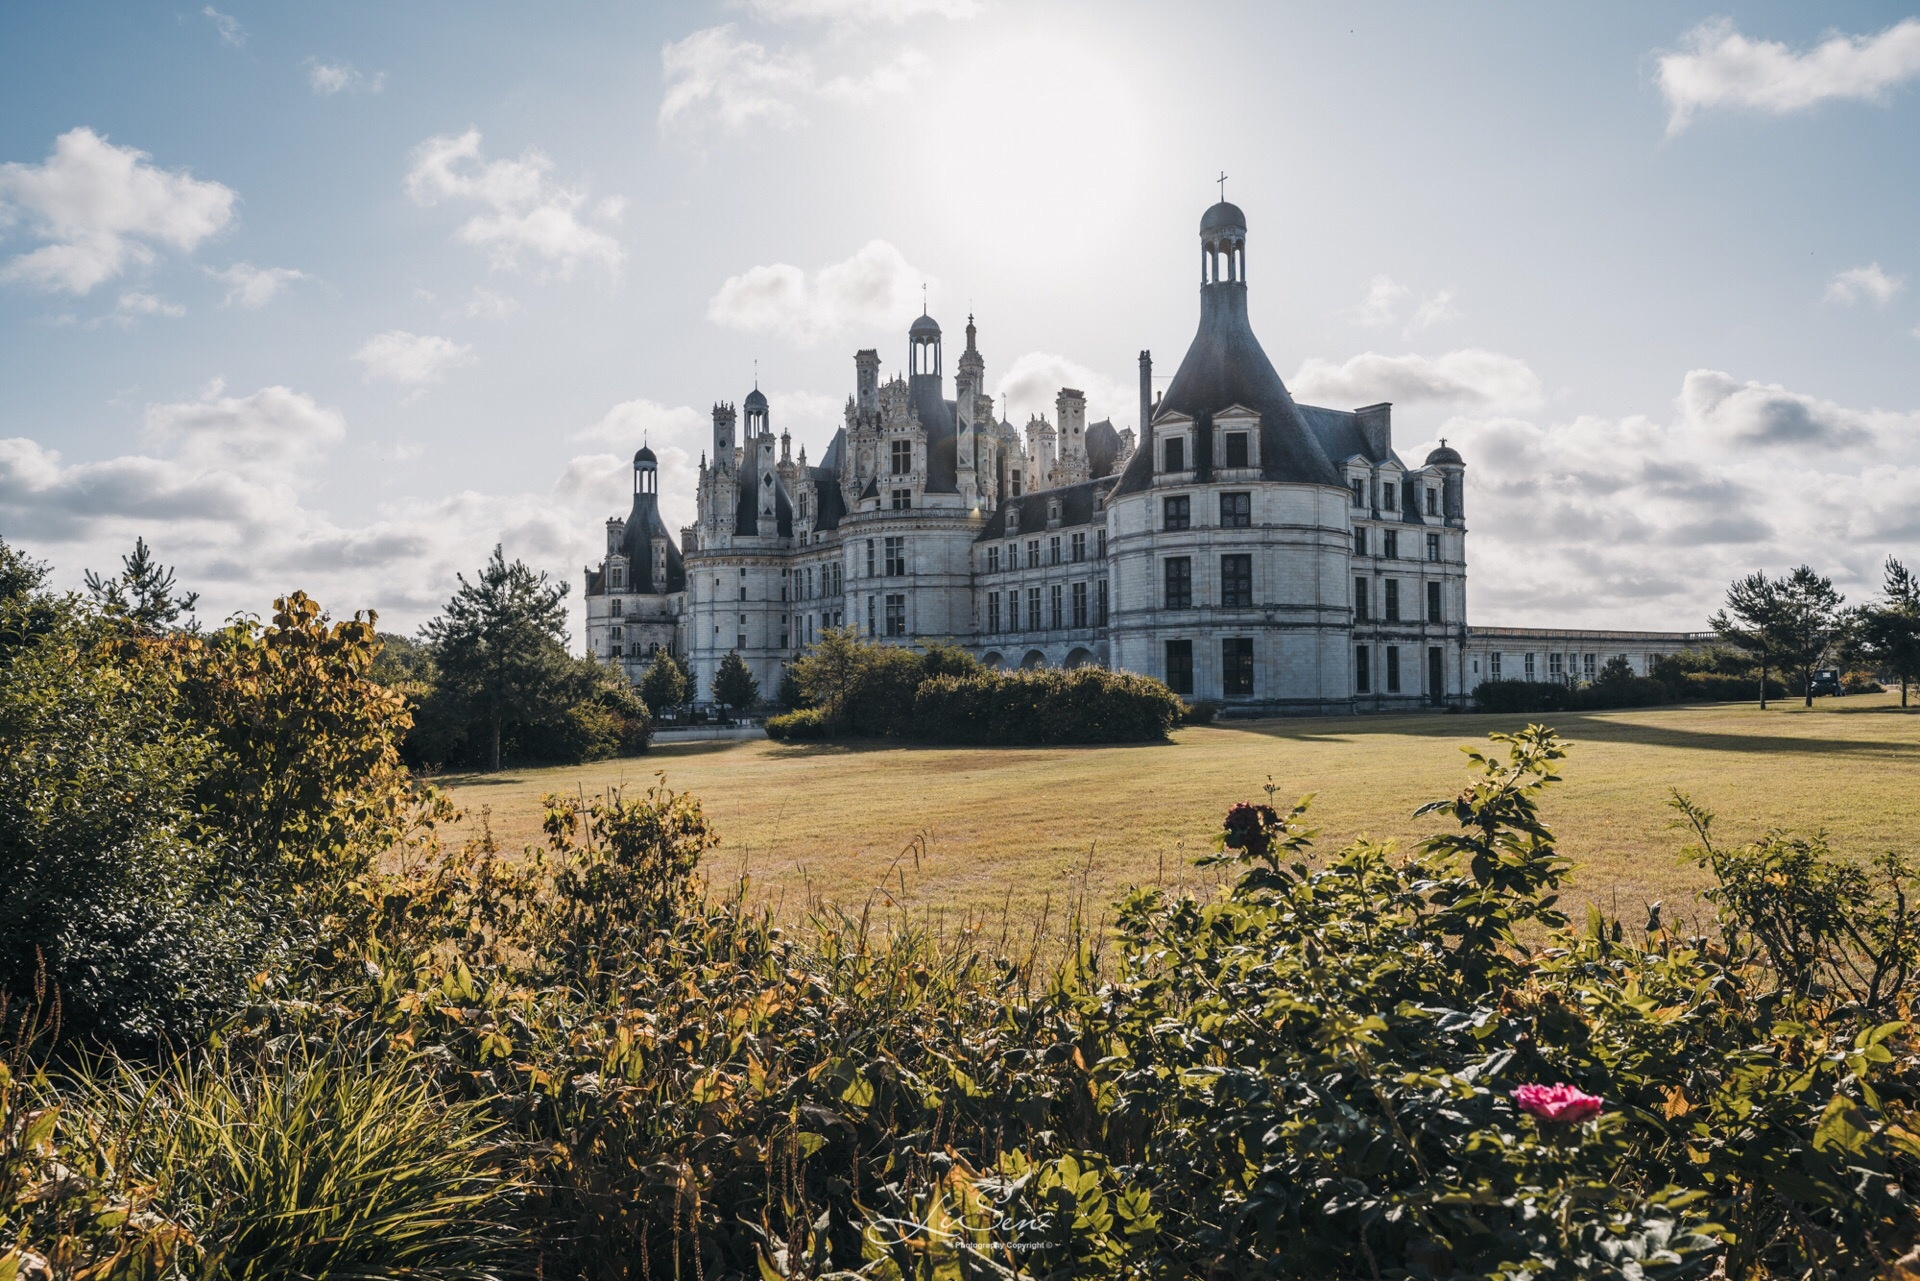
(337, 297)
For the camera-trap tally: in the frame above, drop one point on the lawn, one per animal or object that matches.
(1018, 833)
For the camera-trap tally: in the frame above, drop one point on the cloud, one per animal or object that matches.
(484, 304)
(1033, 380)
(103, 208)
(717, 79)
(1471, 378)
(253, 287)
(231, 32)
(137, 304)
(525, 214)
(876, 286)
(633, 423)
(330, 78)
(1382, 304)
(1750, 413)
(1433, 309)
(1869, 282)
(861, 12)
(274, 427)
(1718, 67)
(411, 359)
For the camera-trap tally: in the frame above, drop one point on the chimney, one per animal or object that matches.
(1376, 428)
(1146, 390)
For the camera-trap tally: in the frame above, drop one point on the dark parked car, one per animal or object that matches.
(1826, 681)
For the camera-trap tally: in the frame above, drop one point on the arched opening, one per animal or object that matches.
(1079, 658)
(1034, 661)
(992, 659)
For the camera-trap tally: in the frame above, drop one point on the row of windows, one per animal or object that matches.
(1389, 674)
(1236, 451)
(1236, 581)
(1236, 511)
(1360, 488)
(1567, 667)
(1236, 666)
(1065, 605)
(1390, 601)
(1390, 543)
(1075, 550)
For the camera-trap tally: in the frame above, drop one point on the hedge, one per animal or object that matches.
(1084, 705)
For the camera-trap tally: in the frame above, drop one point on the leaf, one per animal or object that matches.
(1843, 1128)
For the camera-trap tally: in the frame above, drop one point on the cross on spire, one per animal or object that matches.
(1222, 180)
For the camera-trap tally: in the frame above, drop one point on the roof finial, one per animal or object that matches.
(923, 297)
(756, 373)
(1443, 442)
(1222, 180)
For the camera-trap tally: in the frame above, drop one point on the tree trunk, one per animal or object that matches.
(1903, 691)
(496, 742)
(1806, 679)
(1763, 685)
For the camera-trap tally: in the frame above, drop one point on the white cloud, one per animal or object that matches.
(103, 208)
(1033, 380)
(1642, 522)
(861, 12)
(330, 78)
(633, 423)
(1719, 67)
(484, 304)
(252, 287)
(1382, 303)
(1868, 282)
(138, 304)
(876, 286)
(231, 32)
(273, 428)
(525, 214)
(411, 359)
(1433, 309)
(718, 79)
(1470, 378)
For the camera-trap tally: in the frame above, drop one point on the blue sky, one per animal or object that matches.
(337, 297)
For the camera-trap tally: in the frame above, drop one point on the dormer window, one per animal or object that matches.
(1433, 501)
(1386, 495)
(616, 578)
(1053, 509)
(1236, 449)
(1359, 488)
(1174, 454)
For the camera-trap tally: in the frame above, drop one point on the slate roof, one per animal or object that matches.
(939, 416)
(753, 482)
(643, 526)
(1078, 506)
(1103, 448)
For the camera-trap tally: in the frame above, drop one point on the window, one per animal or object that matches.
(1101, 617)
(1360, 541)
(1053, 511)
(613, 651)
(1390, 544)
(783, 638)
(1556, 669)
(1013, 610)
(1013, 555)
(1179, 572)
(1436, 675)
(1015, 478)
(902, 452)
(1237, 449)
(1176, 512)
(1433, 502)
(902, 500)
(1386, 495)
(619, 633)
(1236, 511)
(1362, 669)
(993, 611)
(743, 587)
(1433, 547)
(1586, 666)
(1529, 659)
(1033, 609)
(896, 557)
(741, 642)
(1033, 553)
(1053, 550)
(616, 578)
(1236, 581)
(1359, 488)
(616, 608)
(1362, 602)
(1102, 552)
(1079, 604)
(896, 614)
(1393, 669)
(1433, 607)
(1493, 666)
(869, 558)
(1180, 666)
(1079, 546)
(1175, 454)
(870, 606)
(993, 560)
(1058, 618)
(1236, 665)
(1390, 603)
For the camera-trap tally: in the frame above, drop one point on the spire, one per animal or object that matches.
(970, 335)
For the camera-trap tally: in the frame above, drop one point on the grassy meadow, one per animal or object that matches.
(1011, 836)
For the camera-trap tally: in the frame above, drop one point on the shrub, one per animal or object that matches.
(1085, 705)
(1518, 696)
(1200, 712)
(808, 724)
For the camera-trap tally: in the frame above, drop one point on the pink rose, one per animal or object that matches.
(1557, 1102)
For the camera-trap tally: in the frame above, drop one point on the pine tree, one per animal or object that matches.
(664, 687)
(733, 684)
(1752, 622)
(501, 645)
(1891, 626)
(142, 593)
(1812, 623)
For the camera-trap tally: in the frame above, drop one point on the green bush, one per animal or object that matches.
(1085, 705)
(806, 725)
(1200, 712)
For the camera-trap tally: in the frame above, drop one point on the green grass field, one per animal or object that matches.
(1020, 831)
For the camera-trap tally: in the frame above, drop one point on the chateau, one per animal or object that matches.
(1273, 556)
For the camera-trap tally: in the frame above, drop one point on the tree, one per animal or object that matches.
(1812, 620)
(1752, 622)
(664, 687)
(142, 593)
(733, 684)
(832, 673)
(1891, 626)
(501, 646)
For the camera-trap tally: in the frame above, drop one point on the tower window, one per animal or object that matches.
(1015, 479)
(1102, 552)
(1360, 540)
(1236, 580)
(1013, 610)
(1033, 608)
(1033, 553)
(1236, 511)
(1177, 512)
(897, 614)
(1079, 604)
(1393, 669)
(1054, 600)
(993, 611)
(1236, 665)
(1362, 669)
(896, 557)
(869, 560)
(1433, 547)
(1362, 600)
(902, 456)
(993, 560)
(1390, 601)
(1433, 502)
(1359, 490)
(1080, 546)
(1101, 617)
(1053, 550)
(1433, 603)
(1391, 539)
(1237, 449)
(616, 608)
(1386, 495)
(1175, 454)
(1179, 582)
(902, 500)
(1180, 666)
